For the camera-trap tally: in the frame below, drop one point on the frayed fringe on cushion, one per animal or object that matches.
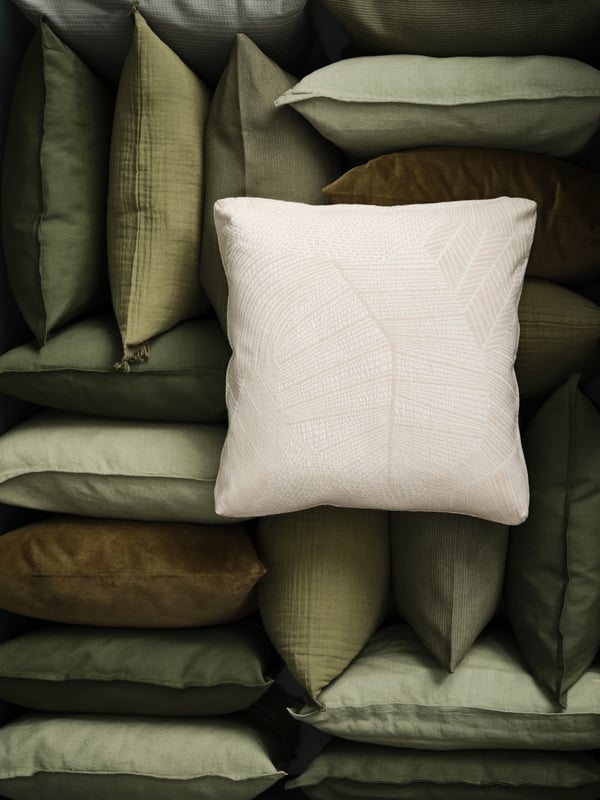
(133, 355)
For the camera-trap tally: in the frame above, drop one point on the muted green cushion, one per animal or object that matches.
(54, 184)
(395, 694)
(70, 757)
(184, 381)
(350, 769)
(255, 149)
(553, 570)
(447, 578)
(378, 104)
(185, 672)
(127, 469)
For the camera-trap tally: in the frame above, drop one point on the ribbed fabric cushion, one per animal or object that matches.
(255, 149)
(447, 578)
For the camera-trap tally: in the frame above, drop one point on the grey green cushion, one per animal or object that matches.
(184, 381)
(553, 570)
(185, 672)
(447, 578)
(395, 694)
(488, 27)
(378, 104)
(127, 469)
(46, 756)
(54, 184)
(155, 191)
(255, 149)
(350, 769)
(326, 589)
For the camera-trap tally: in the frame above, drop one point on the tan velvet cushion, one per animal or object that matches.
(566, 246)
(127, 573)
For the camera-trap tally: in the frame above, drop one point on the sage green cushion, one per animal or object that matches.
(350, 769)
(46, 757)
(326, 589)
(184, 381)
(54, 183)
(98, 467)
(378, 104)
(560, 334)
(255, 149)
(155, 192)
(447, 578)
(488, 27)
(180, 672)
(395, 694)
(553, 570)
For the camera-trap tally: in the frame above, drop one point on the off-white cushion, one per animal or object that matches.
(373, 352)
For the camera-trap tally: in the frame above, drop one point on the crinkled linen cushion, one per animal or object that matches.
(373, 357)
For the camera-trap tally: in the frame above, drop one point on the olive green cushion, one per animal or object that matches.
(395, 694)
(326, 589)
(54, 184)
(184, 381)
(155, 192)
(123, 469)
(447, 578)
(185, 672)
(378, 104)
(255, 149)
(566, 245)
(351, 769)
(46, 757)
(553, 570)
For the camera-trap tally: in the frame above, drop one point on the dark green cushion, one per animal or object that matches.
(354, 770)
(54, 186)
(183, 382)
(553, 569)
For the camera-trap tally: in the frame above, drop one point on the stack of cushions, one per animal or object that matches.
(360, 363)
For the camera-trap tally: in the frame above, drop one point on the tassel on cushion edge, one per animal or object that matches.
(133, 355)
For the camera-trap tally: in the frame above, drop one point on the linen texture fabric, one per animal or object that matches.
(54, 184)
(183, 382)
(447, 578)
(395, 694)
(117, 468)
(566, 244)
(373, 353)
(253, 148)
(351, 769)
(553, 570)
(155, 193)
(184, 672)
(126, 573)
(327, 587)
(373, 105)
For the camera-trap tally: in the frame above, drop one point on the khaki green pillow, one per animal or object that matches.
(447, 578)
(553, 570)
(155, 193)
(117, 468)
(184, 381)
(54, 184)
(351, 769)
(378, 104)
(566, 245)
(255, 149)
(107, 572)
(186, 672)
(326, 589)
(75, 756)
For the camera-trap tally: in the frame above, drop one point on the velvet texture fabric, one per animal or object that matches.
(566, 245)
(125, 573)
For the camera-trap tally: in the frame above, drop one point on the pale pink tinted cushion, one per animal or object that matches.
(373, 353)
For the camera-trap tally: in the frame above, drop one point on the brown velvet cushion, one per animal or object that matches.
(127, 573)
(566, 247)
